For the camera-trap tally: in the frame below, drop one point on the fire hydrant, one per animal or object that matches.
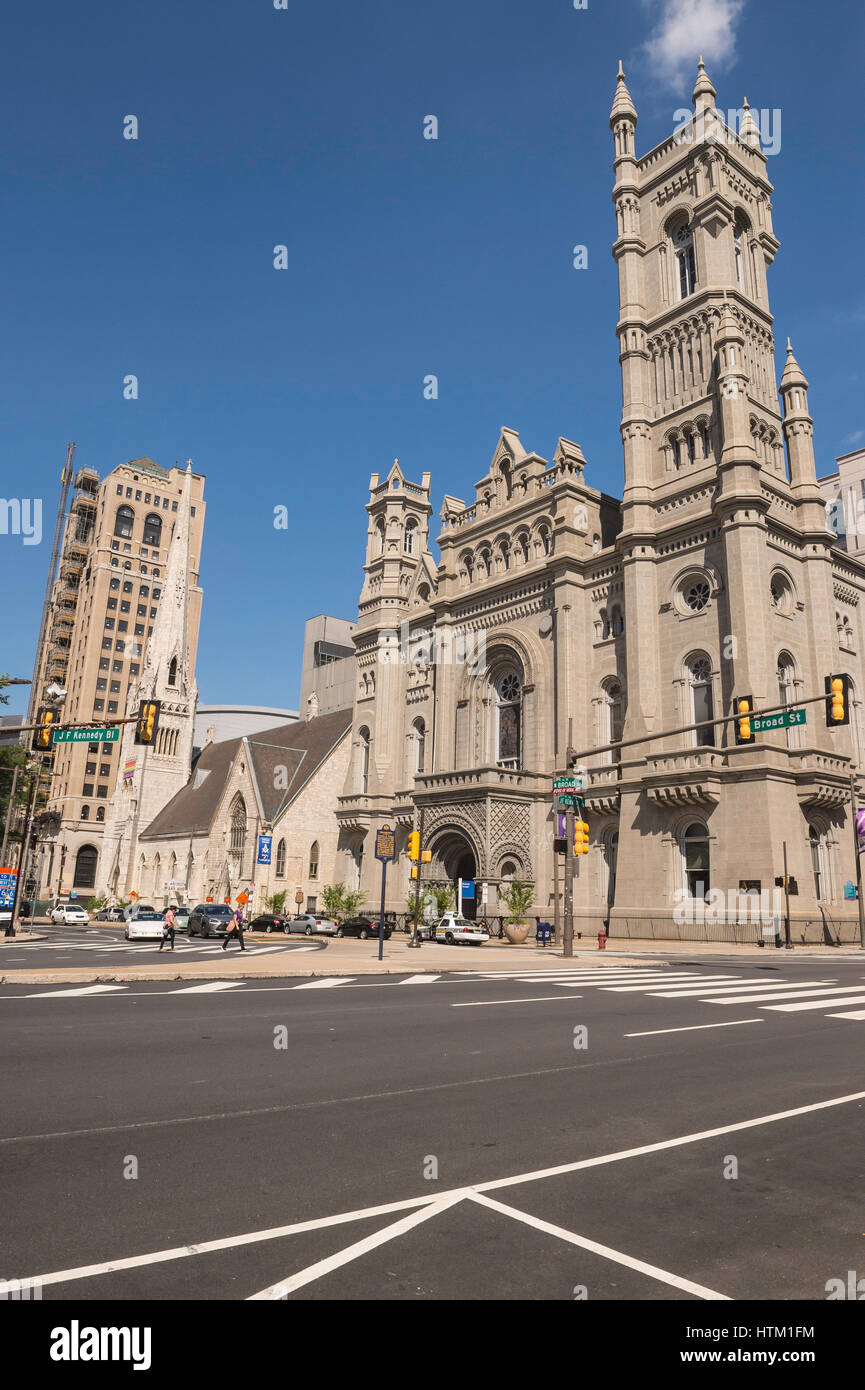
(602, 941)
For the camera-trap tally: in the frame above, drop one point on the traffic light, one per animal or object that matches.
(42, 734)
(744, 707)
(426, 856)
(414, 845)
(581, 837)
(147, 722)
(838, 703)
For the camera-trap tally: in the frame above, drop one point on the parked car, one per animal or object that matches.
(145, 926)
(69, 913)
(363, 927)
(310, 925)
(181, 919)
(454, 931)
(109, 914)
(210, 919)
(268, 922)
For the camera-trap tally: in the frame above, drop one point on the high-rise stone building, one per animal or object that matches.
(130, 587)
(844, 499)
(587, 621)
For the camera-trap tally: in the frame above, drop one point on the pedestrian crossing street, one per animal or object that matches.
(724, 990)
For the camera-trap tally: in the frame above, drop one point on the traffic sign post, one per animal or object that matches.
(385, 852)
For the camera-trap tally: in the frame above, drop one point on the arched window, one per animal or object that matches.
(85, 867)
(313, 860)
(613, 716)
(509, 695)
(618, 623)
(817, 862)
(419, 728)
(157, 877)
(280, 859)
(740, 242)
(238, 826)
(544, 542)
(523, 547)
(363, 761)
(379, 531)
(699, 672)
(485, 562)
(85, 812)
(153, 530)
(683, 246)
(695, 860)
(172, 671)
(787, 691)
(123, 522)
(408, 535)
(100, 812)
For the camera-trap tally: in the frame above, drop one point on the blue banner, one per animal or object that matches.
(265, 845)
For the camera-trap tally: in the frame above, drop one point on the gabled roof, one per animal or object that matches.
(300, 748)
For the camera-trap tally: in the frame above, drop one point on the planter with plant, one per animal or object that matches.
(517, 897)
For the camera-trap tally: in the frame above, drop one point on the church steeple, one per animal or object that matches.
(704, 93)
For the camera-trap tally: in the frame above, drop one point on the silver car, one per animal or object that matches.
(311, 925)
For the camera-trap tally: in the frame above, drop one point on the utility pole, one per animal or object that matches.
(415, 939)
(858, 862)
(788, 945)
(25, 841)
(568, 938)
(556, 921)
(9, 809)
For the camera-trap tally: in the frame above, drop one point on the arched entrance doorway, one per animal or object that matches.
(454, 858)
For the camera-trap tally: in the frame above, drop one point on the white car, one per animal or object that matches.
(145, 926)
(455, 931)
(70, 913)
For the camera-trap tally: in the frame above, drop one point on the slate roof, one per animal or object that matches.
(300, 748)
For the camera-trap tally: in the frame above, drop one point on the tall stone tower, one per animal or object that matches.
(151, 776)
(724, 541)
(399, 574)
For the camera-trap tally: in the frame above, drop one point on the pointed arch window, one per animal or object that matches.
(238, 826)
(696, 860)
(613, 716)
(818, 865)
(85, 867)
(419, 746)
(363, 761)
(699, 673)
(683, 246)
(509, 695)
(313, 860)
(740, 242)
(409, 536)
(280, 859)
(172, 671)
(379, 531)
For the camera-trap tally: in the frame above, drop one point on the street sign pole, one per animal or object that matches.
(860, 904)
(788, 945)
(385, 851)
(568, 941)
(415, 939)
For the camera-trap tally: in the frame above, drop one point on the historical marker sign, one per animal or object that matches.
(385, 844)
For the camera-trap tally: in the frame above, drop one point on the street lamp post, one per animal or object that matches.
(22, 850)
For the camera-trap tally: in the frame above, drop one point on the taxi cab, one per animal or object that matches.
(456, 931)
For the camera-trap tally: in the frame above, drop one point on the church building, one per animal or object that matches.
(560, 619)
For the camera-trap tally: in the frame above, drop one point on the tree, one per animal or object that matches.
(276, 902)
(443, 897)
(339, 902)
(517, 897)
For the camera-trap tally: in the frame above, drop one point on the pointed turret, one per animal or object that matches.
(749, 131)
(623, 106)
(799, 432)
(793, 374)
(704, 92)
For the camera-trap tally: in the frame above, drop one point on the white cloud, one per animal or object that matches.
(854, 438)
(687, 28)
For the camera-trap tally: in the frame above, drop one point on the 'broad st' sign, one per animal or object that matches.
(86, 735)
(762, 723)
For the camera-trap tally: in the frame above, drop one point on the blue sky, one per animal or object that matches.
(304, 127)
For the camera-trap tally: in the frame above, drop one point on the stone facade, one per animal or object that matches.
(560, 620)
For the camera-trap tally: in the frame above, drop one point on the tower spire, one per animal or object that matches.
(623, 106)
(704, 92)
(749, 131)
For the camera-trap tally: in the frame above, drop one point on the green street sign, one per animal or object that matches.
(86, 735)
(565, 801)
(762, 723)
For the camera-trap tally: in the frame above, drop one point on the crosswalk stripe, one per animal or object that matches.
(212, 988)
(773, 996)
(757, 989)
(688, 982)
(858, 1015)
(420, 979)
(647, 984)
(71, 993)
(818, 1004)
(326, 984)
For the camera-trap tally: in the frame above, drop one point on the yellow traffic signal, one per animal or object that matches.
(838, 703)
(426, 856)
(414, 845)
(147, 721)
(581, 837)
(744, 724)
(43, 734)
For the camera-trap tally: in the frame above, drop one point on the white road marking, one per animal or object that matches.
(537, 999)
(420, 979)
(695, 1028)
(690, 983)
(72, 993)
(354, 1252)
(749, 989)
(818, 1004)
(207, 989)
(606, 1251)
(326, 984)
(827, 991)
(67, 1276)
(858, 1015)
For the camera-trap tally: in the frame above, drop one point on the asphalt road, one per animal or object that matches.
(144, 1123)
(79, 947)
